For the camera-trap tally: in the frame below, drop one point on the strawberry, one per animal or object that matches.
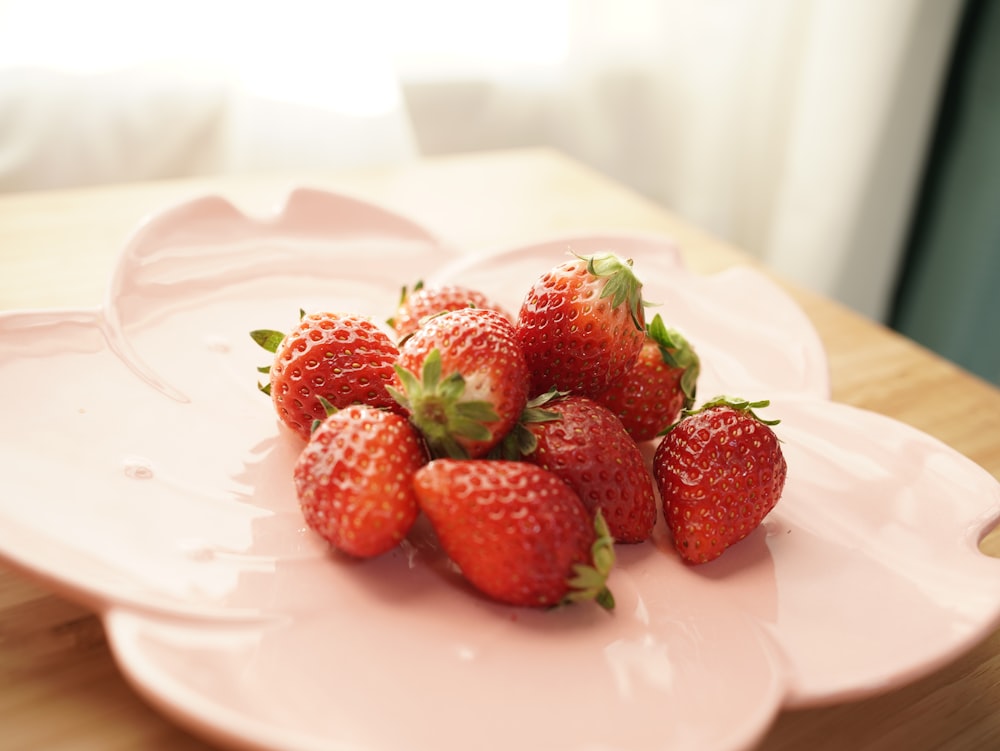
(720, 471)
(590, 450)
(354, 479)
(649, 398)
(343, 358)
(581, 325)
(420, 303)
(518, 533)
(463, 380)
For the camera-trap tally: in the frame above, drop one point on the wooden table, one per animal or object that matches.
(59, 687)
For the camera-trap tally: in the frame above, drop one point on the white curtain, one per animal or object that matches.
(793, 128)
(118, 90)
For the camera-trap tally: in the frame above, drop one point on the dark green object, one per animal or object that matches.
(948, 298)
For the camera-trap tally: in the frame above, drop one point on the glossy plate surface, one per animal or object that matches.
(144, 474)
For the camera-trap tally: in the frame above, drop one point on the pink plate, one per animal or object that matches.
(145, 475)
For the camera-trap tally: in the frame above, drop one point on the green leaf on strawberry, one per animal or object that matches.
(438, 411)
(267, 338)
(738, 404)
(622, 286)
(520, 441)
(590, 582)
(678, 353)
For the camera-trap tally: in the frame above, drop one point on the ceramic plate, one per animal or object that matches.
(145, 475)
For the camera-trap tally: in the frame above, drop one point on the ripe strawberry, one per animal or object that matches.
(720, 471)
(344, 358)
(464, 381)
(518, 533)
(354, 479)
(581, 325)
(649, 398)
(590, 450)
(420, 303)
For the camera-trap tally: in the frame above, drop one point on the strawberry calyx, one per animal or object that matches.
(743, 406)
(404, 294)
(438, 411)
(269, 340)
(677, 352)
(623, 286)
(520, 441)
(589, 582)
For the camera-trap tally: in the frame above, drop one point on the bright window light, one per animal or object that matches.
(312, 52)
(445, 38)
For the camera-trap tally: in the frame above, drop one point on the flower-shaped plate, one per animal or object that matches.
(145, 475)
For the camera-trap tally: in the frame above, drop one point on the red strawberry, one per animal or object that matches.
(344, 358)
(649, 398)
(590, 450)
(518, 533)
(581, 325)
(354, 479)
(464, 381)
(720, 471)
(420, 303)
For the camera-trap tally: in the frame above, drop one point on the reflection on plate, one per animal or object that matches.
(146, 475)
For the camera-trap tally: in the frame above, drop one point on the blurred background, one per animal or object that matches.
(853, 146)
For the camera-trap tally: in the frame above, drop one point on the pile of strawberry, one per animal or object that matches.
(518, 437)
